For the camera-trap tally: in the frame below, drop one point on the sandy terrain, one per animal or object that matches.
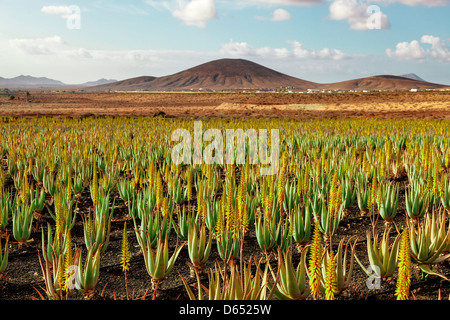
(393, 104)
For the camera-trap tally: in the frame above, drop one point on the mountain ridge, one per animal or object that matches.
(382, 82)
(227, 75)
(97, 82)
(412, 76)
(223, 74)
(27, 81)
(240, 74)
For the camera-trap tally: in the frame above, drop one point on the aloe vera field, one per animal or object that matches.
(97, 208)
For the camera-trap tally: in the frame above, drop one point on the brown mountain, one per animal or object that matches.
(383, 82)
(124, 85)
(29, 82)
(239, 74)
(223, 74)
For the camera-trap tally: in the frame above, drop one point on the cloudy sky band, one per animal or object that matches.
(121, 39)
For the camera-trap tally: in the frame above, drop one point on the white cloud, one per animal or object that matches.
(298, 51)
(238, 49)
(415, 51)
(301, 52)
(278, 15)
(196, 12)
(81, 53)
(52, 57)
(359, 15)
(407, 51)
(72, 64)
(281, 15)
(38, 46)
(439, 50)
(243, 49)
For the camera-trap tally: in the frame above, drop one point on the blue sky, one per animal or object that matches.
(318, 40)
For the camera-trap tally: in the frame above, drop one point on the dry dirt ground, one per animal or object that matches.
(24, 275)
(293, 105)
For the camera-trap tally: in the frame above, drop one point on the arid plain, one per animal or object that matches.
(427, 104)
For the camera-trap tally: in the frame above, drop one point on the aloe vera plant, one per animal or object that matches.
(133, 205)
(157, 261)
(198, 247)
(126, 190)
(382, 255)
(416, 200)
(54, 246)
(348, 195)
(291, 198)
(388, 204)
(290, 282)
(445, 197)
(253, 201)
(5, 210)
(49, 183)
(152, 226)
(64, 215)
(300, 222)
(178, 194)
(141, 203)
(77, 186)
(3, 257)
(428, 241)
(362, 197)
(51, 271)
(184, 221)
(22, 218)
(343, 265)
(38, 172)
(238, 285)
(37, 201)
(328, 220)
(316, 203)
(212, 213)
(86, 277)
(228, 246)
(97, 226)
(19, 178)
(271, 234)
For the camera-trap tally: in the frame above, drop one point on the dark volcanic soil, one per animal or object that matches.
(24, 275)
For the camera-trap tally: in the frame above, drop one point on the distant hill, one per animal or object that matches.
(42, 82)
(382, 82)
(240, 74)
(411, 76)
(97, 83)
(29, 82)
(227, 74)
(223, 74)
(132, 84)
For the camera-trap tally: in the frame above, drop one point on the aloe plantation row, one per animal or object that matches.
(395, 173)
